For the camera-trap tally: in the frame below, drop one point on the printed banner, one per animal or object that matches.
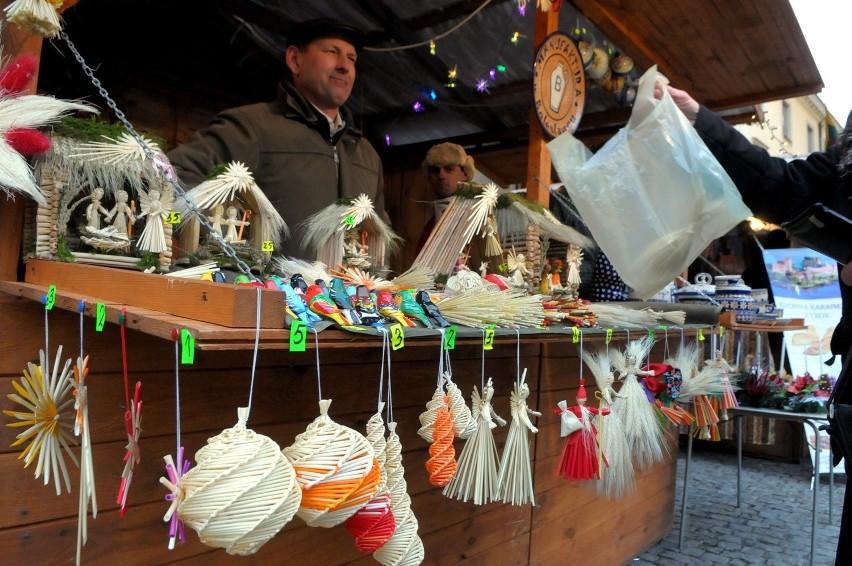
(804, 284)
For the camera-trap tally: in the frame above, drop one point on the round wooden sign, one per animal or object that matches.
(559, 84)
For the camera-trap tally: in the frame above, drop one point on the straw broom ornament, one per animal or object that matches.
(20, 114)
(46, 398)
(643, 428)
(618, 477)
(514, 480)
(699, 385)
(241, 492)
(476, 477)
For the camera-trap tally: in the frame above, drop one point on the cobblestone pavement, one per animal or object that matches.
(772, 527)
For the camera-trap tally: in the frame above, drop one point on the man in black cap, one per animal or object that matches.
(302, 148)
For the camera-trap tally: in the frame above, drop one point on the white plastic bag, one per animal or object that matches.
(653, 196)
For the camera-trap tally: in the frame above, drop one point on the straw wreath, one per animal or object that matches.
(404, 548)
(241, 492)
(336, 469)
(46, 398)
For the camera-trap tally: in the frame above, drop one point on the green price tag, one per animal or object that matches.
(397, 337)
(350, 220)
(267, 246)
(700, 334)
(187, 347)
(450, 337)
(576, 334)
(298, 336)
(721, 331)
(504, 267)
(663, 326)
(651, 333)
(608, 335)
(51, 297)
(100, 317)
(173, 217)
(488, 344)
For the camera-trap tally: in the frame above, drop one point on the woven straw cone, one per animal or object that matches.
(335, 468)
(241, 492)
(427, 417)
(441, 464)
(404, 548)
(464, 425)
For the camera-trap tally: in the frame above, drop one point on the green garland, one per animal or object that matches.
(94, 130)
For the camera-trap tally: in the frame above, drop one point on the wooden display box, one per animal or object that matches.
(216, 303)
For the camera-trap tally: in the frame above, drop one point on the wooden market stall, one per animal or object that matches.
(567, 520)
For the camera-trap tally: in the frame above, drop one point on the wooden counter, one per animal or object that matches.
(567, 521)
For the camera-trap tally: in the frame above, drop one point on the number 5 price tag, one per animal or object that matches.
(488, 343)
(298, 336)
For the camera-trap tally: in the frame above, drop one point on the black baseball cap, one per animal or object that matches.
(303, 33)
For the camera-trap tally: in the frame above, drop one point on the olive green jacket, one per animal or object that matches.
(287, 146)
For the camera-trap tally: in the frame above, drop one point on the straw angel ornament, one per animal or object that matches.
(156, 205)
(643, 428)
(618, 477)
(476, 476)
(514, 481)
(46, 398)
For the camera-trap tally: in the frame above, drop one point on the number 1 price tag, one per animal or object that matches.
(397, 337)
(608, 335)
(488, 343)
(700, 334)
(187, 347)
(450, 337)
(100, 317)
(576, 335)
(298, 336)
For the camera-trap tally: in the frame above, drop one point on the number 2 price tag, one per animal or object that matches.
(298, 336)
(450, 337)
(397, 337)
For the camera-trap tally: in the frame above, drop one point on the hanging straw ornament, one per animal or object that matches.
(373, 525)
(702, 388)
(579, 460)
(618, 477)
(430, 415)
(404, 548)
(643, 428)
(20, 114)
(132, 423)
(441, 464)
(729, 397)
(38, 17)
(174, 483)
(48, 401)
(514, 480)
(241, 492)
(87, 467)
(476, 477)
(464, 425)
(336, 470)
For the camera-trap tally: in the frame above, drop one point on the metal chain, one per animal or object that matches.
(159, 163)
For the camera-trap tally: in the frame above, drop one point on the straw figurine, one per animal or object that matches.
(514, 480)
(46, 398)
(241, 492)
(476, 477)
(701, 388)
(156, 205)
(87, 467)
(441, 464)
(579, 460)
(643, 428)
(373, 525)
(405, 547)
(618, 477)
(335, 468)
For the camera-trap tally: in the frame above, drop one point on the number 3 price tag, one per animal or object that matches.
(397, 337)
(298, 336)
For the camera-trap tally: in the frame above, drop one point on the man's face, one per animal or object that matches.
(445, 179)
(324, 72)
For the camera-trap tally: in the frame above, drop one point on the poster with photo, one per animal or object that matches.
(804, 284)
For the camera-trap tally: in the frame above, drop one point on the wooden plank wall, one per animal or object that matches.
(39, 527)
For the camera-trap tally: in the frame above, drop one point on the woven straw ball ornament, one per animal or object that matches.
(241, 492)
(336, 469)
